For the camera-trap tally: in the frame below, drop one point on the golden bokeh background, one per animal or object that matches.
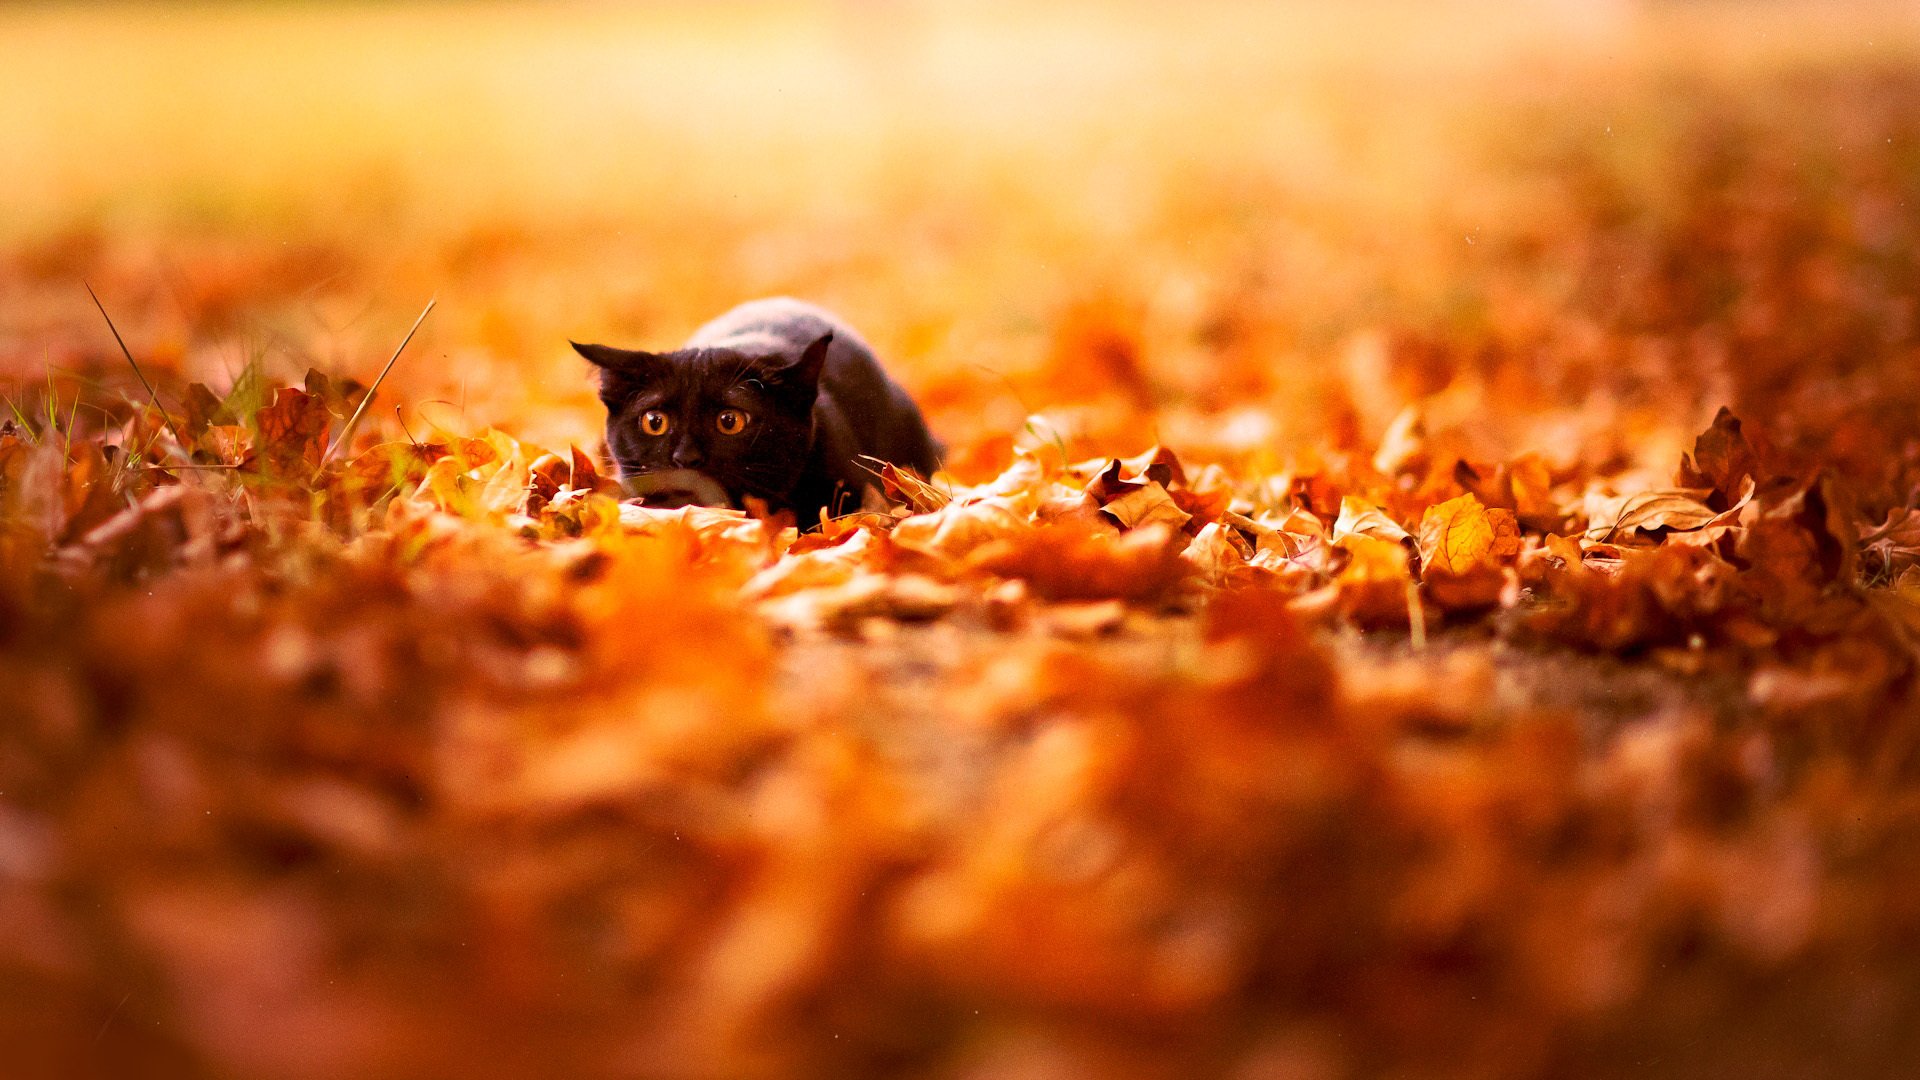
(1261, 206)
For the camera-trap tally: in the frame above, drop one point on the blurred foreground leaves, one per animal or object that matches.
(438, 758)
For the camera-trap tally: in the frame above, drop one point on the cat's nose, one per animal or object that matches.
(688, 456)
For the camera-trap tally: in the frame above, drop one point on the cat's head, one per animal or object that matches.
(709, 426)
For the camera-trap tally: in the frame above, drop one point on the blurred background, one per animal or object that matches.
(1243, 227)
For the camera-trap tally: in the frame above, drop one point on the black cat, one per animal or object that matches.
(776, 400)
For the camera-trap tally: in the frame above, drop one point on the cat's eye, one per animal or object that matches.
(654, 422)
(731, 421)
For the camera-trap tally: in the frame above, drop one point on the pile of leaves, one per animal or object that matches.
(333, 757)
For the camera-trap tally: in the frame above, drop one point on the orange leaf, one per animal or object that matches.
(1360, 518)
(294, 428)
(1460, 536)
(1061, 562)
(1532, 483)
(1375, 586)
(1146, 505)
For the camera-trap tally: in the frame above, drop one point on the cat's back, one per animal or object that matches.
(776, 322)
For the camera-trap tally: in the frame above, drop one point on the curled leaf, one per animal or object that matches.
(1647, 511)
(1722, 457)
(1361, 518)
(1148, 504)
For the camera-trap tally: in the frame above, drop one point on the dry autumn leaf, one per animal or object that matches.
(1359, 518)
(1460, 536)
(1647, 511)
(292, 432)
(1148, 504)
(1722, 457)
(1141, 566)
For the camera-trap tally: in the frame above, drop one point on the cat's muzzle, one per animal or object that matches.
(670, 488)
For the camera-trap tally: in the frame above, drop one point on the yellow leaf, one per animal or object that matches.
(1459, 536)
(1146, 506)
(1373, 561)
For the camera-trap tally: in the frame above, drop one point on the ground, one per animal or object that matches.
(1426, 581)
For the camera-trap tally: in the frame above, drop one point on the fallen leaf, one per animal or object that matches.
(1647, 511)
(1361, 518)
(1460, 536)
(340, 397)
(1148, 504)
(960, 527)
(1721, 457)
(1376, 585)
(202, 409)
(1057, 562)
(292, 430)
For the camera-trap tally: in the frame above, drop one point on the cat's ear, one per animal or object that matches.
(623, 372)
(801, 374)
(624, 361)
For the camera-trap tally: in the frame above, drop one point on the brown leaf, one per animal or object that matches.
(1159, 465)
(203, 410)
(960, 527)
(1111, 483)
(393, 464)
(1651, 510)
(341, 397)
(1403, 449)
(844, 606)
(584, 475)
(1721, 457)
(1219, 553)
(715, 527)
(578, 512)
(293, 430)
(1491, 484)
(903, 486)
(1204, 504)
(545, 477)
(1481, 587)
(161, 529)
(1809, 537)
(1894, 546)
